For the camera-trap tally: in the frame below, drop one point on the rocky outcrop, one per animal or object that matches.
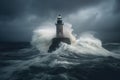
(56, 42)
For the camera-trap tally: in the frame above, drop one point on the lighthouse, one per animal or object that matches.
(59, 27)
(59, 36)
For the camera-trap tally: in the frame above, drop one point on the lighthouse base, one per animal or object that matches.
(56, 42)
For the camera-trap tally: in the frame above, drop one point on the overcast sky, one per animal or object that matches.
(18, 18)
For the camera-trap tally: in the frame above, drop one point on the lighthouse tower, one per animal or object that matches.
(59, 36)
(59, 27)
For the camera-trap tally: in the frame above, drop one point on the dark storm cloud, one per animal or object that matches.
(117, 6)
(43, 7)
(16, 8)
(10, 9)
(18, 18)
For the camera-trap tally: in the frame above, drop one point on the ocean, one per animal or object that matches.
(27, 63)
(86, 58)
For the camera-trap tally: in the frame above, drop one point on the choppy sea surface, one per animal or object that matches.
(28, 63)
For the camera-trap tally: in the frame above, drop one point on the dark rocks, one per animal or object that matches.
(56, 42)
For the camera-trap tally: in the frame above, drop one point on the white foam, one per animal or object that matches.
(86, 44)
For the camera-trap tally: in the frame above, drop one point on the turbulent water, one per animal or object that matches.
(84, 59)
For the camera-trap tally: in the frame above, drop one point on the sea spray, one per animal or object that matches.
(86, 44)
(42, 37)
